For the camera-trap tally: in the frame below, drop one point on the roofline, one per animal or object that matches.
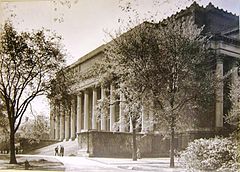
(194, 6)
(226, 32)
(89, 55)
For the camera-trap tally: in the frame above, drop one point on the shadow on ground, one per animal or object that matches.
(33, 163)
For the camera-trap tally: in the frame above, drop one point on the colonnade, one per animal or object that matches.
(82, 115)
(219, 92)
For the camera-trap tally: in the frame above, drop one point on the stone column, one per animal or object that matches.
(219, 93)
(67, 124)
(234, 85)
(103, 111)
(112, 107)
(131, 126)
(122, 119)
(234, 73)
(86, 110)
(144, 119)
(73, 118)
(52, 126)
(62, 122)
(94, 108)
(79, 112)
(57, 136)
(151, 120)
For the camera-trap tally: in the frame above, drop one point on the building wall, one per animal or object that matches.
(110, 144)
(103, 142)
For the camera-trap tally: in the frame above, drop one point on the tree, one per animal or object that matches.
(4, 132)
(28, 61)
(34, 129)
(186, 80)
(164, 67)
(233, 117)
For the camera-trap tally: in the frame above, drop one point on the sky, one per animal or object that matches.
(85, 24)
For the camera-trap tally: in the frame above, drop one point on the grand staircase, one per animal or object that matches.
(70, 148)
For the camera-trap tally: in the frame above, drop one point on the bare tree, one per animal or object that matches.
(28, 61)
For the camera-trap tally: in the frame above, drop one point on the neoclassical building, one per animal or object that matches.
(109, 135)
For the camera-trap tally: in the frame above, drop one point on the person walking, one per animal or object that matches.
(56, 151)
(61, 151)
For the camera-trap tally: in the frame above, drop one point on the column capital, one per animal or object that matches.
(73, 96)
(219, 59)
(86, 91)
(79, 93)
(95, 86)
(236, 63)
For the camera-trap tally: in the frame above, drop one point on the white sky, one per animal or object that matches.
(84, 23)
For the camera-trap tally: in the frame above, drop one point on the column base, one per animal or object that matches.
(66, 139)
(73, 138)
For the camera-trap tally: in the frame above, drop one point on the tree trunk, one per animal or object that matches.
(172, 144)
(12, 147)
(134, 140)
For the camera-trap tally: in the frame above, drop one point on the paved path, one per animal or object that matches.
(85, 164)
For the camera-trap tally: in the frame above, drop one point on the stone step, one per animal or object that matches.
(83, 153)
(70, 148)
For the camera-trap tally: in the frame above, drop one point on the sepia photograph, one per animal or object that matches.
(120, 85)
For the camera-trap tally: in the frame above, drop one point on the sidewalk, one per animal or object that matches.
(85, 164)
(145, 164)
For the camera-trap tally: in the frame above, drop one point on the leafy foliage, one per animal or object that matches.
(28, 62)
(35, 129)
(4, 127)
(154, 62)
(233, 116)
(218, 154)
(164, 67)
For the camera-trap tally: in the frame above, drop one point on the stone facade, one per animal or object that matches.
(110, 136)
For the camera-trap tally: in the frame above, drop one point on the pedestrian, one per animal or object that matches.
(61, 151)
(56, 151)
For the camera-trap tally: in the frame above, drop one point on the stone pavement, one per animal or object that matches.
(85, 164)
(145, 164)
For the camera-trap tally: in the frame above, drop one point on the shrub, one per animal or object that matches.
(217, 154)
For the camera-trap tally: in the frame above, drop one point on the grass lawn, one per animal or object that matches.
(35, 163)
